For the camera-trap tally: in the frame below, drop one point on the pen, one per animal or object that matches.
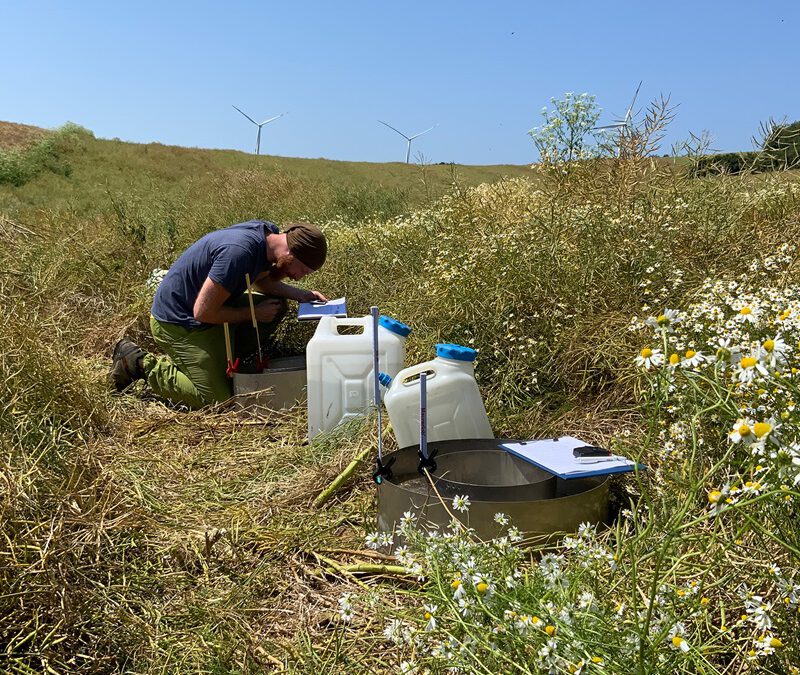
(597, 460)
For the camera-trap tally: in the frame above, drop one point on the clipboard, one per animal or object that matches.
(555, 456)
(313, 311)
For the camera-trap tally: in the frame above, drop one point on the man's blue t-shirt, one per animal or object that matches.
(225, 256)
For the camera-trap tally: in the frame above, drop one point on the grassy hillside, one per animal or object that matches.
(620, 301)
(102, 169)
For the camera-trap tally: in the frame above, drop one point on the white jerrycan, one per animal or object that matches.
(455, 406)
(339, 367)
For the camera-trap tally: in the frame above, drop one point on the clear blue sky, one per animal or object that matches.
(169, 71)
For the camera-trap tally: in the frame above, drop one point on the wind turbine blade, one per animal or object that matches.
(610, 126)
(393, 129)
(271, 119)
(633, 102)
(424, 132)
(247, 116)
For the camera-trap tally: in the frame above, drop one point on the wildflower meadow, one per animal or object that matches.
(610, 293)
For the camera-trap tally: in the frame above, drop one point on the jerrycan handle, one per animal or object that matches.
(412, 375)
(330, 324)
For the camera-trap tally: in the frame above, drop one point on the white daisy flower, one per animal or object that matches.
(346, 607)
(461, 503)
(748, 369)
(748, 313)
(650, 358)
(773, 351)
(768, 644)
(429, 616)
(665, 321)
(393, 631)
(501, 518)
(727, 351)
(676, 638)
(742, 431)
(692, 358)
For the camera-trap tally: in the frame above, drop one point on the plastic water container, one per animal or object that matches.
(455, 406)
(339, 363)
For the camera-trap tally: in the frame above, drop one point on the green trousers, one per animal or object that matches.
(193, 372)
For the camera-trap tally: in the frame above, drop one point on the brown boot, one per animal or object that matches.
(126, 365)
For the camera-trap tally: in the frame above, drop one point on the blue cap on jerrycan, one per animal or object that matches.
(397, 327)
(455, 352)
(385, 379)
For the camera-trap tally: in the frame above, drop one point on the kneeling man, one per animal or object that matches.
(205, 289)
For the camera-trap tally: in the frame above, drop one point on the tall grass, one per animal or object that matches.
(142, 539)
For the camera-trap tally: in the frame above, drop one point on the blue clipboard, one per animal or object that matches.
(555, 455)
(313, 311)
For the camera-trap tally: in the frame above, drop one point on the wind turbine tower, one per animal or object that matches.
(408, 138)
(258, 137)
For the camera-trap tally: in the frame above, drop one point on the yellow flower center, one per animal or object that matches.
(690, 353)
(775, 642)
(744, 311)
(769, 345)
(673, 359)
(714, 496)
(704, 601)
(550, 630)
(743, 430)
(428, 616)
(456, 583)
(748, 362)
(647, 353)
(677, 641)
(761, 429)
(662, 320)
(482, 587)
(596, 659)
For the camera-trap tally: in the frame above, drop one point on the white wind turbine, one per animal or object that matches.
(625, 123)
(408, 138)
(258, 138)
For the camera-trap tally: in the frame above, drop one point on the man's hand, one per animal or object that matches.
(312, 296)
(281, 290)
(267, 310)
(210, 308)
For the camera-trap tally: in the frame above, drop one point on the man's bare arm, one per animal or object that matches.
(281, 290)
(210, 306)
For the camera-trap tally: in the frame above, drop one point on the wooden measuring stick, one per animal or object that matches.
(228, 350)
(253, 316)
